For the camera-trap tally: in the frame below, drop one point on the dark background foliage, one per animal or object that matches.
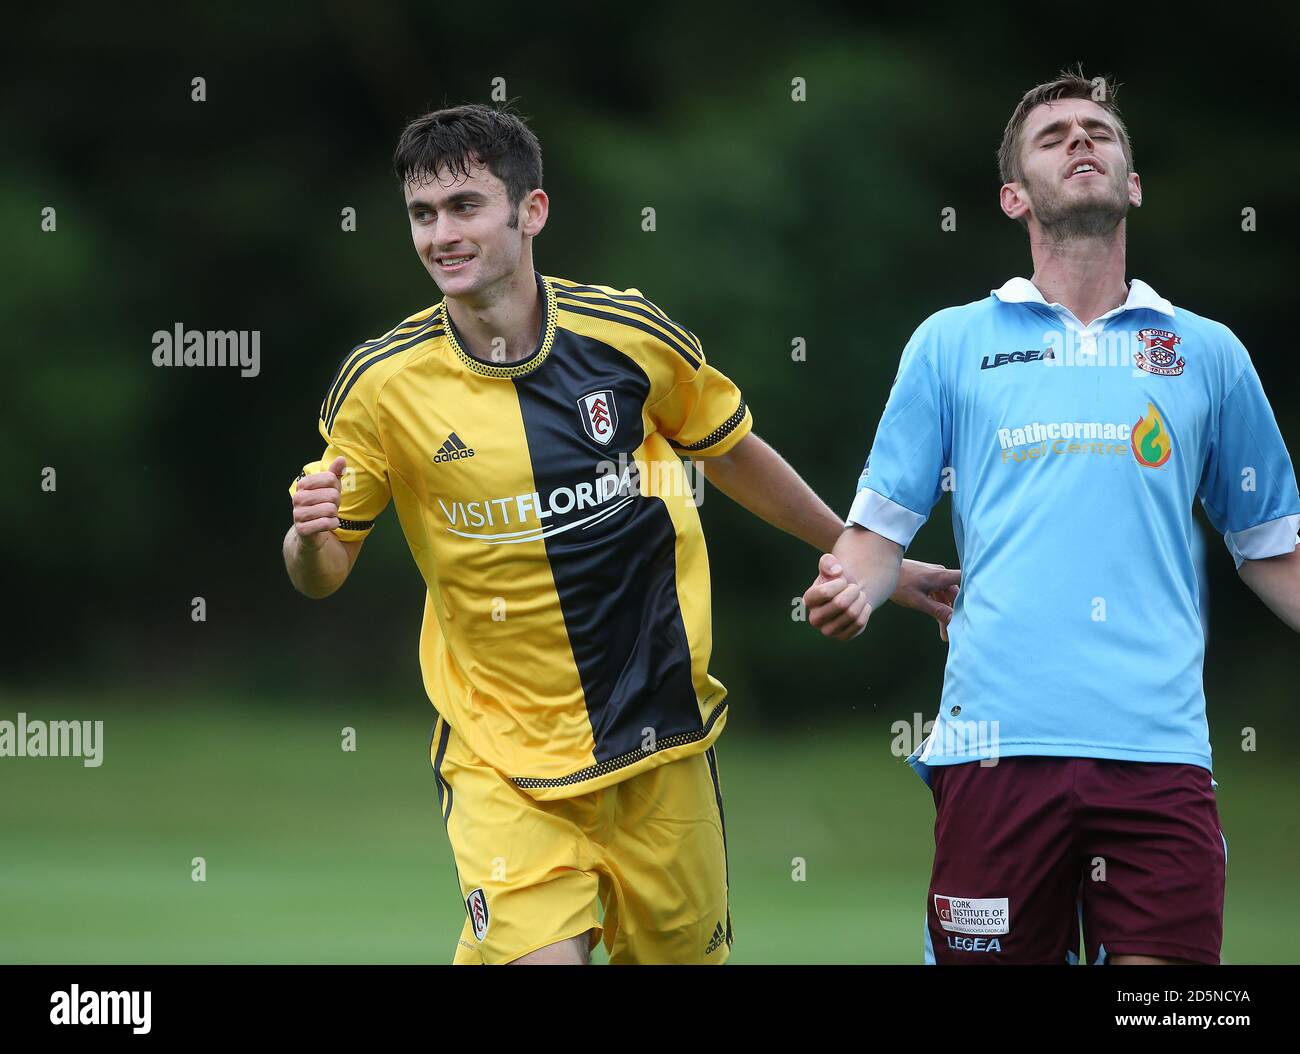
(776, 220)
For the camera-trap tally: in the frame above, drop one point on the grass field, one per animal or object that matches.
(314, 854)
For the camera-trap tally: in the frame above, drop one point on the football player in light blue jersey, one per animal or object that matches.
(1075, 416)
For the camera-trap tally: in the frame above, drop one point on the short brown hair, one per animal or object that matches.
(462, 136)
(1069, 84)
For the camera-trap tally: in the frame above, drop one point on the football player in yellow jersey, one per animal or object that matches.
(530, 432)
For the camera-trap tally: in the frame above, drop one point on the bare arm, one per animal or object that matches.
(317, 572)
(318, 562)
(755, 476)
(1276, 581)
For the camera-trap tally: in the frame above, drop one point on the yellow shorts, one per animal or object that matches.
(650, 850)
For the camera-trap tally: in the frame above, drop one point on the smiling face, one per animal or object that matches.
(1074, 172)
(469, 237)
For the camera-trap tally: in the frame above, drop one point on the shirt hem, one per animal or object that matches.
(1029, 748)
(652, 760)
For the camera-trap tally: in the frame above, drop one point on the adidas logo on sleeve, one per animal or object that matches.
(452, 450)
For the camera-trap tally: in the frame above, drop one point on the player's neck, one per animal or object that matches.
(503, 325)
(1084, 274)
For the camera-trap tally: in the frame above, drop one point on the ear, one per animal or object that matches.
(533, 211)
(1014, 200)
(1134, 190)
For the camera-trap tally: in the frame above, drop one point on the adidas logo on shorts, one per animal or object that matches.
(452, 450)
(719, 939)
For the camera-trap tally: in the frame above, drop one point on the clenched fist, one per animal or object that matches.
(316, 504)
(836, 605)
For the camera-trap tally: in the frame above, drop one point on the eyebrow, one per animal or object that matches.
(1062, 123)
(449, 201)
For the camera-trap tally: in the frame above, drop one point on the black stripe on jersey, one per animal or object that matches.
(624, 320)
(437, 770)
(574, 287)
(420, 337)
(712, 757)
(654, 314)
(442, 782)
(616, 580)
(718, 434)
(362, 349)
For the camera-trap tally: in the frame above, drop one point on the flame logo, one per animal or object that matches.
(1151, 443)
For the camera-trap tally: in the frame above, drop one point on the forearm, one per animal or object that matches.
(755, 476)
(1276, 581)
(872, 561)
(316, 572)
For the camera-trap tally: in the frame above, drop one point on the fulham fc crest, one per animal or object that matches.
(476, 906)
(599, 415)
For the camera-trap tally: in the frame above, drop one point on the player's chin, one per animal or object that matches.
(462, 282)
(1092, 191)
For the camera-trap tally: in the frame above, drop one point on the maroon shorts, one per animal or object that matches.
(1028, 849)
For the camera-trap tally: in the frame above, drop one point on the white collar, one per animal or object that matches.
(1140, 296)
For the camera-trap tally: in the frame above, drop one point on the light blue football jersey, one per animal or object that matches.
(1073, 454)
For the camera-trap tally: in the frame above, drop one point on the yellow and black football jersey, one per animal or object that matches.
(567, 628)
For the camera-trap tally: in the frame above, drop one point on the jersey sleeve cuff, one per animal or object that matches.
(1274, 538)
(886, 518)
(722, 438)
(352, 530)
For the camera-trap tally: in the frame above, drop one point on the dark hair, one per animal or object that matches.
(1069, 84)
(462, 136)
